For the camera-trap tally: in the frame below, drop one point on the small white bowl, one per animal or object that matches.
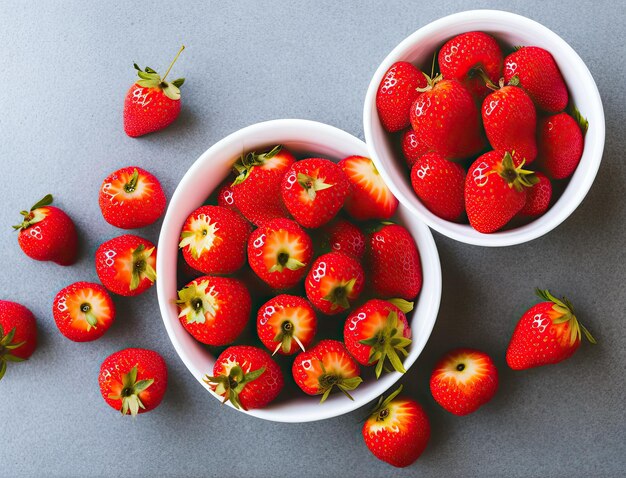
(203, 177)
(510, 29)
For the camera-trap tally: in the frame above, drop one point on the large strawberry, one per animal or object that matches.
(538, 197)
(547, 333)
(286, 324)
(413, 147)
(343, 236)
(561, 144)
(18, 334)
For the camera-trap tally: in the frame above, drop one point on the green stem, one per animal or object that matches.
(173, 61)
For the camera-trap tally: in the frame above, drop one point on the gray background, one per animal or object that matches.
(66, 69)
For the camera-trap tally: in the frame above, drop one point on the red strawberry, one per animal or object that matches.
(256, 190)
(334, 281)
(396, 93)
(539, 75)
(495, 191)
(394, 263)
(547, 333)
(412, 147)
(48, 234)
(226, 197)
(133, 380)
(560, 145)
(328, 364)
(538, 197)
(214, 240)
(131, 198)
(279, 252)
(377, 331)
(125, 264)
(215, 310)
(152, 103)
(343, 236)
(246, 376)
(369, 198)
(439, 184)
(18, 334)
(83, 311)
(314, 191)
(397, 431)
(286, 324)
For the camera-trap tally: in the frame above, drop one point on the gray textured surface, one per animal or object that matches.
(66, 68)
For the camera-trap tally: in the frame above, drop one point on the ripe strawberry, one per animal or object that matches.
(412, 147)
(48, 234)
(538, 197)
(560, 145)
(286, 324)
(152, 103)
(547, 333)
(83, 311)
(214, 240)
(396, 93)
(125, 264)
(343, 236)
(246, 376)
(225, 196)
(464, 380)
(18, 334)
(328, 364)
(133, 380)
(215, 310)
(394, 263)
(369, 198)
(495, 190)
(131, 198)
(539, 75)
(334, 281)
(397, 431)
(440, 185)
(279, 252)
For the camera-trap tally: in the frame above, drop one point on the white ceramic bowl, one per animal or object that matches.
(203, 177)
(509, 29)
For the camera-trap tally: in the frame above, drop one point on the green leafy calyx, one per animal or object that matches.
(515, 176)
(247, 162)
(34, 215)
(141, 268)
(131, 389)
(230, 386)
(565, 311)
(328, 381)
(381, 411)
(388, 344)
(195, 302)
(339, 295)
(6, 347)
(148, 78)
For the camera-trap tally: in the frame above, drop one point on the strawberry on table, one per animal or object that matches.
(538, 197)
(286, 324)
(18, 334)
(412, 147)
(561, 144)
(343, 236)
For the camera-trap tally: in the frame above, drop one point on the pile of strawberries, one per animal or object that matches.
(470, 133)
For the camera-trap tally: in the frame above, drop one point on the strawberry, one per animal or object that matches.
(214, 240)
(334, 281)
(328, 364)
(539, 75)
(396, 93)
(314, 191)
(225, 196)
(369, 197)
(440, 185)
(215, 310)
(246, 376)
(412, 147)
(343, 236)
(48, 234)
(464, 380)
(397, 431)
(547, 333)
(286, 324)
(279, 252)
(125, 264)
(83, 311)
(394, 263)
(495, 190)
(152, 103)
(133, 380)
(538, 197)
(256, 189)
(560, 144)
(131, 198)
(18, 334)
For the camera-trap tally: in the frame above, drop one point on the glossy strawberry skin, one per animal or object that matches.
(538, 197)
(272, 316)
(396, 93)
(561, 145)
(226, 197)
(147, 110)
(413, 147)
(343, 236)
(16, 316)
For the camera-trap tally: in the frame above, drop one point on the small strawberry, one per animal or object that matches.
(48, 234)
(286, 324)
(547, 333)
(214, 240)
(246, 376)
(464, 380)
(538, 197)
(343, 236)
(83, 311)
(561, 145)
(226, 197)
(125, 264)
(325, 366)
(412, 147)
(279, 252)
(131, 198)
(18, 334)
(152, 103)
(397, 431)
(133, 380)
(369, 197)
(334, 282)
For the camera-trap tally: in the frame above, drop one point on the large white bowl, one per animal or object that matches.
(203, 177)
(512, 30)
